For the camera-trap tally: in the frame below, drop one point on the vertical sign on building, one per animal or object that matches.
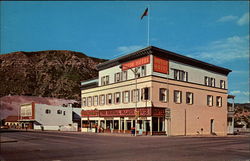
(161, 65)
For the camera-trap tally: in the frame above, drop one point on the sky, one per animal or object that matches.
(216, 32)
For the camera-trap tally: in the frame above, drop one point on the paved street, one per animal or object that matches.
(26, 146)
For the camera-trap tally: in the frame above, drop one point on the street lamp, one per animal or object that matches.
(137, 96)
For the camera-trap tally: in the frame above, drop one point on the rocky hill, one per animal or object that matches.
(53, 73)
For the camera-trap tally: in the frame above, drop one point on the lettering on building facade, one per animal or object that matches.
(143, 112)
(161, 65)
(136, 63)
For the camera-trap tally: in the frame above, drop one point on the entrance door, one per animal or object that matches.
(212, 126)
(155, 123)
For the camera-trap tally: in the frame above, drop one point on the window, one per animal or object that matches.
(109, 98)
(117, 77)
(208, 81)
(126, 97)
(105, 80)
(95, 100)
(163, 95)
(219, 101)
(117, 97)
(135, 95)
(222, 84)
(212, 82)
(189, 98)
(138, 73)
(59, 111)
(102, 99)
(64, 113)
(124, 75)
(84, 102)
(180, 75)
(177, 96)
(47, 111)
(145, 93)
(210, 100)
(89, 101)
(143, 70)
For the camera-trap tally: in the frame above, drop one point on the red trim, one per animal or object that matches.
(143, 112)
(33, 110)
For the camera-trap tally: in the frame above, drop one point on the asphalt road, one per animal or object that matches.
(66, 146)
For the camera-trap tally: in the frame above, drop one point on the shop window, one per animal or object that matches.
(89, 101)
(126, 97)
(145, 93)
(189, 98)
(219, 101)
(47, 111)
(177, 96)
(95, 100)
(210, 100)
(163, 94)
(109, 98)
(59, 111)
(117, 97)
(102, 99)
(135, 95)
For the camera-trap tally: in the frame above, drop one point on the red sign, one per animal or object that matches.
(90, 113)
(161, 65)
(136, 63)
(125, 112)
(158, 111)
(143, 112)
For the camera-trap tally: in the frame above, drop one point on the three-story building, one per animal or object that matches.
(156, 92)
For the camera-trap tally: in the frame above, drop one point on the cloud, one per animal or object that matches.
(244, 19)
(224, 50)
(240, 72)
(227, 18)
(245, 93)
(239, 92)
(235, 92)
(127, 49)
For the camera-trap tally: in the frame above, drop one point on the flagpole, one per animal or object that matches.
(149, 11)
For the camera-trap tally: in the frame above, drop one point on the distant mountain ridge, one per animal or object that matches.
(51, 73)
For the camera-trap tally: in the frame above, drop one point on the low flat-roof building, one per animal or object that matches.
(11, 122)
(156, 92)
(48, 117)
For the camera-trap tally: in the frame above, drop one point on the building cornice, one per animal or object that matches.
(164, 54)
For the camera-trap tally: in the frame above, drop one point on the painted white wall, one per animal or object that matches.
(195, 75)
(53, 119)
(115, 69)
